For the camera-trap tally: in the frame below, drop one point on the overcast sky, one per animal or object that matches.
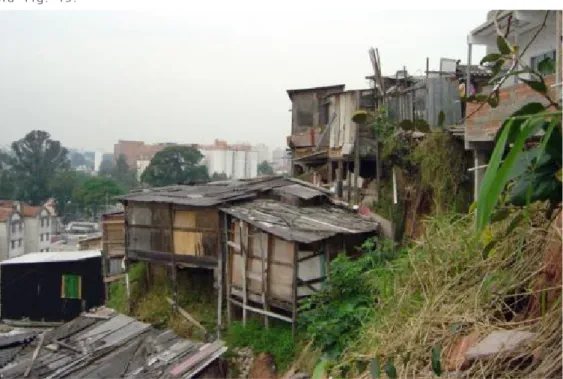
(91, 78)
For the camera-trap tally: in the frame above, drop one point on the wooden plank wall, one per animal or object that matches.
(268, 275)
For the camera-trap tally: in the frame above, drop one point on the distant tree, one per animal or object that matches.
(62, 188)
(265, 168)
(34, 161)
(95, 193)
(124, 175)
(77, 159)
(175, 165)
(219, 176)
(106, 167)
(7, 185)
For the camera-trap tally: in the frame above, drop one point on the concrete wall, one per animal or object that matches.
(17, 237)
(4, 243)
(31, 234)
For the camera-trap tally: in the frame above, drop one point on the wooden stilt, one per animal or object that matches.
(243, 246)
(220, 253)
(173, 253)
(294, 290)
(227, 266)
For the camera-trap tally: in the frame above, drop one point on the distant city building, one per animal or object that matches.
(142, 165)
(98, 156)
(237, 161)
(134, 151)
(281, 160)
(263, 153)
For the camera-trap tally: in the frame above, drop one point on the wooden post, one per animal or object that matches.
(243, 252)
(339, 178)
(227, 266)
(357, 155)
(172, 250)
(263, 284)
(294, 290)
(126, 257)
(348, 183)
(220, 254)
(330, 173)
(269, 249)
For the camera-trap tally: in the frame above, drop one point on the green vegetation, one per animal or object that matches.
(276, 340)
(333, 316)
(264, 168)
(195, 294)
(30, 165)
(94, 193)
(175, 165)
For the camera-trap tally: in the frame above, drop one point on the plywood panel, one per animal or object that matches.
(282, 251)
(308, 270)
(139, 238)
(187, 243)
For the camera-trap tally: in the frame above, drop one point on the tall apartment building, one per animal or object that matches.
(237, 161)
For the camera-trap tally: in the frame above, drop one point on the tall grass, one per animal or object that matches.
(446, 286)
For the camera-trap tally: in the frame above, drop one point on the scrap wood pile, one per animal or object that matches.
(464, 306)
(106, 344)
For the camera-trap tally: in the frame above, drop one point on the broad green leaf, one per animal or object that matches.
(441, 118)
(422, 126)
(559, 175)
(319, 370)
(374, 369)
(360, 117)
(496, 175)
(546, 66)
(390, 369)
(528, 109)
(436, 367)
(534, 186)
(503, 45)
(497, 67)
(538, 86)
(491, 58)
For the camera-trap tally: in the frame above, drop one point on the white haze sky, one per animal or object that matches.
(216, 71)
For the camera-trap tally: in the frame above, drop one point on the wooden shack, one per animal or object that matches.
(113, 244)
(278, 253)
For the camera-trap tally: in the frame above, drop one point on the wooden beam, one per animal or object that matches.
(220, 253)
(174, 267)
(269, 249)
(164, 257)
(228, 265)
(185, 314)
(311, 256)
(244, 252)
(113, 278)
(294, 290)
(263, 278)
(260, 311)
(174, 228)
(35, 354)
(357, 156)
(126, 260)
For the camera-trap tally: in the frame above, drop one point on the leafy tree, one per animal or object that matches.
(95, 193)
(34, 161)
(123, 175)
(175, 165)
(219, 176)
(77, 159)
(265, 168)
(106, 167)
(7, 186)
(62, 187)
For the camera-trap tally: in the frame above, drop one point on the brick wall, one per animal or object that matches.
(483, 125)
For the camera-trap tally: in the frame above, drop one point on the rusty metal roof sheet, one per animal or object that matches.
(301, 224)
(118, 346)
(220, 193)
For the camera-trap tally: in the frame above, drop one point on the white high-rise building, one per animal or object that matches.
(98, 157)
(263, 152)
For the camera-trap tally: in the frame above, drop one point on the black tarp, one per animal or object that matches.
(33, 289)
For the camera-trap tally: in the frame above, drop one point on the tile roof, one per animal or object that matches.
(5, 213)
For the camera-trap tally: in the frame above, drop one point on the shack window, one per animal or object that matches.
(71, 287)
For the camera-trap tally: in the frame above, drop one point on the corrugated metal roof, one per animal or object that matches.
(219, 193)
(54, 256)
(117, 347)
(301, 224)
